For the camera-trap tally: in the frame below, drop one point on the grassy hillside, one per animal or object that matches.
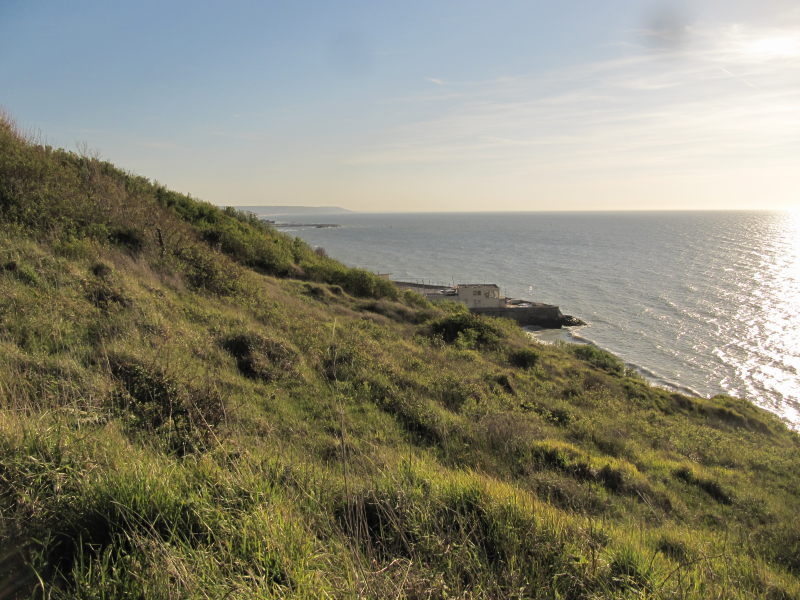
(193, 405)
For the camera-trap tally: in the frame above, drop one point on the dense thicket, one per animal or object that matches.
(193, 405)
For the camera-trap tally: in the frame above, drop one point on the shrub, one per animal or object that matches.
(415, 299)
(101, 270)
(342, 361)
(205, 271)
(130, 238)
(453, 392)
(559, 416)
(599, 358)
(251, 247)
(74, 247)
(781, 541)
(261, 358)
(523, 358)
(358, 282)
(467, 329)
(103, 295)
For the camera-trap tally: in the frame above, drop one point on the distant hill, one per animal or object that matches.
(294, 210)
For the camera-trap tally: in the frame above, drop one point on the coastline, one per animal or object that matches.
(567, 335)
(677, 309)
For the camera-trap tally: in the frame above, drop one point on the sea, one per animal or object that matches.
(705, 303)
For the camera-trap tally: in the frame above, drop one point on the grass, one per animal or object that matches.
(193, 405)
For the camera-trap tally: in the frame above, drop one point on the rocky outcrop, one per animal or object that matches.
(570, 321)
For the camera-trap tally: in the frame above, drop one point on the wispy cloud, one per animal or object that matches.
(727, 97)
(435, 80)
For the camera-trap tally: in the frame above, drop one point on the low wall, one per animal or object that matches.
(540, 315)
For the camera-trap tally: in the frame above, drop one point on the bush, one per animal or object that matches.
(101, 270)
(467, 329)
(523, 358)
(206, 271)
(103, 295)
(415, 299)
(130, 238)
(358, 282)
(599, 358)
(74, 247)
(251, 247)
(261, 358)
(675, 549)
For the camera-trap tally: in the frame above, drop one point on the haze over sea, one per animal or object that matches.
(707, 302)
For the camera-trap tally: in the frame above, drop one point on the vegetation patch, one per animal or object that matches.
(495, 549)
(204, 271)
(675, 549)
(599, 358)
(262, 358)
(709, 486)
(103, 295)
(131, 239)
(523, 358)
(466, 330)
(397, 311)
(628, 571)
(24, 273)
(172, 412)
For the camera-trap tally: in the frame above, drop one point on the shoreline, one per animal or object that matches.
(566, 336)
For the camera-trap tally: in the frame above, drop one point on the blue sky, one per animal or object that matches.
(453, 105)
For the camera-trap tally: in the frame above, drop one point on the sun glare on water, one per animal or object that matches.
(784, 314)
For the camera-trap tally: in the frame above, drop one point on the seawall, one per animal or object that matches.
(548, 316)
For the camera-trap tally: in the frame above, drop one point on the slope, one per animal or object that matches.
(193, 405)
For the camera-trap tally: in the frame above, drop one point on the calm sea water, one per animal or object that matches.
(703, 302)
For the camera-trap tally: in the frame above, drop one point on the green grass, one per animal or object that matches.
(193, 405)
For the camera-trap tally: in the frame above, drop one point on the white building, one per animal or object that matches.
(479, 295)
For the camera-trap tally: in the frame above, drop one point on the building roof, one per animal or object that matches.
(493, 285)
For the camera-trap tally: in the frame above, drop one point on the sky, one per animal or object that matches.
(452, 105)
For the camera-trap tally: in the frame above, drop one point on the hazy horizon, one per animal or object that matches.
(500, 211)
(422, 107)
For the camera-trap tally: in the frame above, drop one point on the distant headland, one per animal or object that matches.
(277, 211)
